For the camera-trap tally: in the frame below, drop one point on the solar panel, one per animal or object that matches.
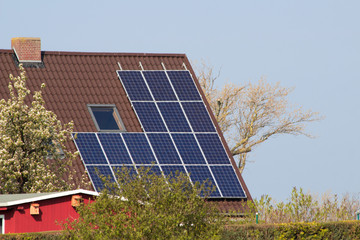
(174, 117)
(114, 148)
(159, 85)
(179, 135)
(149, 117)
(212, 148)
(161, 143)
(227, 180)
(173, 170)
(164, 148)
(134, 85)
(121, 169)
(124, 170)
(153, 169)
(96, 172)
(89, 148)
(188, 148)
(203, 175)
(184, 85)
(139, 148)
(198, 117)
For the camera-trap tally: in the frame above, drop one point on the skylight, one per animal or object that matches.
(106, 117)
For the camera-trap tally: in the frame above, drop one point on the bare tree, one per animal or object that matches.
(250, 115)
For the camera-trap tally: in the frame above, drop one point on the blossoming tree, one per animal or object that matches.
(33, 157)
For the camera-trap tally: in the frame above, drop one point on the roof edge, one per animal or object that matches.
(49, 196)
(6, 51)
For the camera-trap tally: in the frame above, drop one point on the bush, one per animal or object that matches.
(304, 207)
(347, 230)
(52, 235)
(148, 207)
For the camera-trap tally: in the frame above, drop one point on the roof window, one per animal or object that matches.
(106, 117)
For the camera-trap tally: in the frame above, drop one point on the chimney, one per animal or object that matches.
(27, 49)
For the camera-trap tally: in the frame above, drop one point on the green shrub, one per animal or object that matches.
(303, 207)
(52, 235)
(248, 231)
(148, 207)
(346, 230)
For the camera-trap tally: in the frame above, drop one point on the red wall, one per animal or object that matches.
(51, 211)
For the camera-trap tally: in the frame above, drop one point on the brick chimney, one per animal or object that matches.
(27, 49)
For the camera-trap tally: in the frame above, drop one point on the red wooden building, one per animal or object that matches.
(37, 212)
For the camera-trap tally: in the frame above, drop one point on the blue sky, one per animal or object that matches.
(313, 46)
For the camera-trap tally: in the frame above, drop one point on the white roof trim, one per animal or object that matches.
(49, 196)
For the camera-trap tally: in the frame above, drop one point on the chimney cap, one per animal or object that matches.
(25, 38)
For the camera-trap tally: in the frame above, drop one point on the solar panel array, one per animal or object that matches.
(179, 135)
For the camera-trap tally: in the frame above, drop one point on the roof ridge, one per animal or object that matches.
(6, 50)
(104, 53)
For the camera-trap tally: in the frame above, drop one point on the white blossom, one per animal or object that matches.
(29, 135)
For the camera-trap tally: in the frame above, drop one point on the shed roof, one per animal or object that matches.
(7, 200)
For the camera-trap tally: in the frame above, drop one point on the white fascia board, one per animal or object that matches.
(49, 196)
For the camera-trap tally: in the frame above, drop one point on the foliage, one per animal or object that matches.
(304, 207)
(51, 235)
(30, 135)
(150, 207)
(250, 115)
(347, 230)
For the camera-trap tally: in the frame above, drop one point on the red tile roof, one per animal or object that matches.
(75, 79)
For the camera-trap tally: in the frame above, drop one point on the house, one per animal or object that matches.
(38, 212)
(108, 97)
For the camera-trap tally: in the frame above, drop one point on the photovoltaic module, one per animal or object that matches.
(179, 135)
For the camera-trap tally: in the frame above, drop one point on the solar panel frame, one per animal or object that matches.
(174, 117)
(188, 148)
(171, 170)
(135, 86)
(118, 170)
(164, 148)
(153, 169)
(184, 85)
(97, 156)
(201, 174)
(95, 178)
(212, 148)
(149, 116)
(225, 177)
(114, 148)
(159, 85)
(142, 154)
(198, 117)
